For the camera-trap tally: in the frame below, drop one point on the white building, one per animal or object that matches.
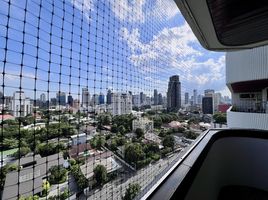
(247, 79)
(136, 100)
(217, 100)
(78, 139)
(85, 97)
(145, 124)
(21, 106)
(121, 104)
(43, 97)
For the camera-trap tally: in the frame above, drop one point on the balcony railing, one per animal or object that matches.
(222, 164)
(251, 107)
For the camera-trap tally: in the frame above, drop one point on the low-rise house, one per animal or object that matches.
(81, 151)
(144, 123)
(151, 137)
(29, 178)
(6, 117)
(106, 159)
(78, 139)
(89, 130)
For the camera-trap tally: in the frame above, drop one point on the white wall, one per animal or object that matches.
(247, 120)
(247, 65)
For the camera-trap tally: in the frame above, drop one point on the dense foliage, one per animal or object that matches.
(132, 191)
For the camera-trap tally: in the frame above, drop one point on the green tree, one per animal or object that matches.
(104, 119)
(100, 174)
(121, 129)
(23, 151)
(139, 132)
(58, 174)
(157, 122)
(133, 152)
(220, 118)
(169, 141)
(97, 142)
(35, 197)
(81, 180)
(10, 143)
(132, 191)
(4, 170)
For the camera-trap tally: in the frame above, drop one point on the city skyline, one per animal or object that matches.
(196, 64)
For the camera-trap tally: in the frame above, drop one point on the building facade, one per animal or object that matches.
(21, 106)
(85, 97)
(247, 79)
(174, 93)
(121, 104)
(207, 105)
(61, 98)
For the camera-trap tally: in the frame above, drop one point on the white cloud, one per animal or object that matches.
(128, 11)
(85, 7)
(138, 11)
(173, 51)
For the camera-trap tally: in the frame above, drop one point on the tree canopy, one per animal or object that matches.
(132, 191)
(100, 174)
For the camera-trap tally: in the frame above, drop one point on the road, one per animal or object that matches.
(116, 189)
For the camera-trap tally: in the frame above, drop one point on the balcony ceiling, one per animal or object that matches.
(250, 86)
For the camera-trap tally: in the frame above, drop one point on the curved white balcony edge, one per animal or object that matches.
(247, 120)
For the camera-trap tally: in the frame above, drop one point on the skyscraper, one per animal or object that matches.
(207, 105)
(43, 98)
(195, 97)
(109, 97)
(160, 99)
(70, 100)
(142, 98)
(101, 98)
(155, 97)
(21, 106)
(186, 98)
(174, 93)
(85, 97)
(121, 104)
(2, 98)
(61, 98)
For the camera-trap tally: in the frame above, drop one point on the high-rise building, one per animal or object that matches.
(2, 97)
(142, 98)
(186, 98)
(95, 100)
(8, 102)
(70, 100)
(21, 106)
(155, 97)
(136, 100)
(121, 104)
(217, 100)
(101, 98)
(207, 105)
(195, 97)
(43, 97)
(53, 102)
(85, 97)
(109, 97)
(199, 99)
(160, 99)
(209, 92)
(174, 93)
(61, 98)
(76, 104)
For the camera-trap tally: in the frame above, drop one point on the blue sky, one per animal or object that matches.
(121, 45)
